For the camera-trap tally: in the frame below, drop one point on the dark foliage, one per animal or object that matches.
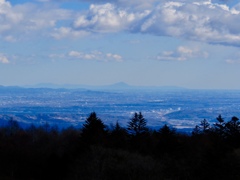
(118, 138)
(219, 126)
(137, 125)
(93, 131)
(45, 152)
(167, 141)
(203, 128)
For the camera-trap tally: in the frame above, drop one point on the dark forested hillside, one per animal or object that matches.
(96, 151)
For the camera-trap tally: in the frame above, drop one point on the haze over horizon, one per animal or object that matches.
(183, 43)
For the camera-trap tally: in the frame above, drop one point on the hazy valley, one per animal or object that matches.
(177, 107)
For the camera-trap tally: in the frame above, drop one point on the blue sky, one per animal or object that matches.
(193, 44)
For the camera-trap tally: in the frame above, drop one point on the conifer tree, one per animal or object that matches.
(205, 126)
(93, 131)
(233, 127)
(137, 125)
(219, 127)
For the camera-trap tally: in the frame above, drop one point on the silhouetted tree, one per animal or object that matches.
(167, 140)
(117, 127)
(233, 126)
(12, 127)
(118, 136)
(219, 127)
(196, 130)
(137, 125)
(203, 128)
(233, 131)
(166, 131)
(47, 152)
(93, 130)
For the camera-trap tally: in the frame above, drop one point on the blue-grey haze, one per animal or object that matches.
(179, 108)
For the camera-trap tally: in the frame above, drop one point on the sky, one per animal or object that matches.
(185, 43)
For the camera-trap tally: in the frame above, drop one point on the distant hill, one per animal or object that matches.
(116, 86)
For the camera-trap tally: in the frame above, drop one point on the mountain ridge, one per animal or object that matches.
(114, 86)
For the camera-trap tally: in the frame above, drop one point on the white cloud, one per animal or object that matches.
(95, 55)
(107, 18)
(3, 58)
(75, 54)
(115, 57)
(19, 21)
(91, 56)
(202, 20)
(66, 32)
(182, 53)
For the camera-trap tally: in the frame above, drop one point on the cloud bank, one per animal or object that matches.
(182, 53)
(89, 56)
(95, 55)
(23, 20)
(198, 21)
(205, 21)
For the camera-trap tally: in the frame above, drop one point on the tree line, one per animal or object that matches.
(96, 151)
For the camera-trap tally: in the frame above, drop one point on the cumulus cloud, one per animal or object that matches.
(3, 58)
(107, 18)
(182, 53)
(20, 20)
(90, 56)
(200, 21)
(203, 20)
(66, 32)
(95, 55)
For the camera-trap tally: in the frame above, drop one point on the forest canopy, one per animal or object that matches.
(96, 151)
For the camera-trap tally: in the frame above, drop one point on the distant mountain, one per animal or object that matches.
(10, 88)
(120, 85)
(116, 86)
(55, 86)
